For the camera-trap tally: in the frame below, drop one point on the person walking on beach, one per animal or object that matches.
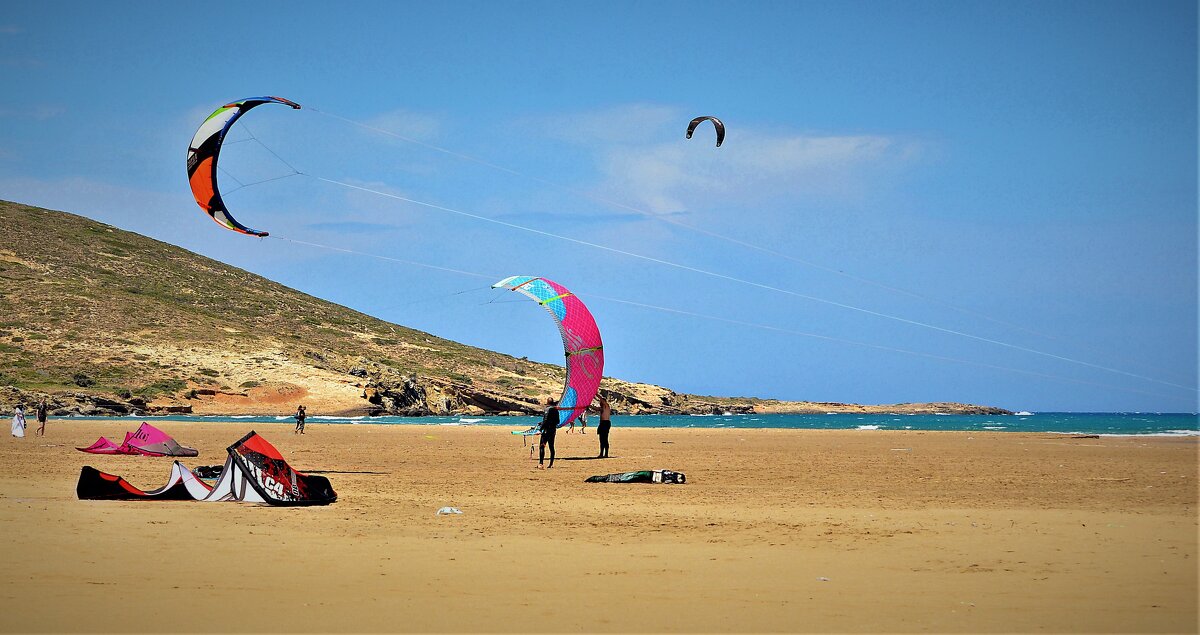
(301, 415)
(548, 428)
(42, 409)
(605, 424)
(18, 422)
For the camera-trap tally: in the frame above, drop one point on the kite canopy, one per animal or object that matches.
(103, 446)
(580, 336)
(181, 485)
(204, 151)
(716, 124)
(147, 441)
(254, 472)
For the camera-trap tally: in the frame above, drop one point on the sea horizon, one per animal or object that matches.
(1099, 423)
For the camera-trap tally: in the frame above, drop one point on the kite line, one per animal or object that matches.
(714, 318)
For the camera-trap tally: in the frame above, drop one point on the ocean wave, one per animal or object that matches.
(867, 427)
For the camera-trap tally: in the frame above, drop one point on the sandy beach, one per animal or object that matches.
(776, 530)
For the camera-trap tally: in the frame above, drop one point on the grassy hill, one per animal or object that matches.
(107, 320)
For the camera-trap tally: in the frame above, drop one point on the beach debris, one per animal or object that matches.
(642, 476)
(254, 472)
(208, 471)
(822, 579)
(446, 511)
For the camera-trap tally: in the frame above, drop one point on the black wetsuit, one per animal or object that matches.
(602, 430)
(548, 428)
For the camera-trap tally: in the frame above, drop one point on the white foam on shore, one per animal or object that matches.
(1126, 435)
(995, 427)
(867, 427)
(1168, 433)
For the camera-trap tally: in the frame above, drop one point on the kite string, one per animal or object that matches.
(670, 221)
(388, 258)
(714, 318)
(268, 149)
(751, 283)
(686, 267)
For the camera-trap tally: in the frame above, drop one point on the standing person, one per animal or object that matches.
(605, 424)
(42, 409)
(301, 415)
(18, 424)
(548, 428)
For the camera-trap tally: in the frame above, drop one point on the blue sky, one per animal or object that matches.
(988, 202)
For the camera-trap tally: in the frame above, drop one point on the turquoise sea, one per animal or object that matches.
(1116, 423)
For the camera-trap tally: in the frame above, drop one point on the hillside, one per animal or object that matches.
(107, 321)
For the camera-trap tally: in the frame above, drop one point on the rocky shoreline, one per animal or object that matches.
(413, 396)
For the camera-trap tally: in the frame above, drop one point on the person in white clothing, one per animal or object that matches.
(18, 423)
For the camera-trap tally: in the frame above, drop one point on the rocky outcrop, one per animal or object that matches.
(66, 404)
(405, 397)
(412, 396)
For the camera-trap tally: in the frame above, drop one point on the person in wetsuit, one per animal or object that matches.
(41, 410)
(548, 427)
(605, 424)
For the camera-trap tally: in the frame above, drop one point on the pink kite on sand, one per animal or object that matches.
(146, 441)
(103, 446)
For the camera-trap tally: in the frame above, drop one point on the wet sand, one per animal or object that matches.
(775, 531)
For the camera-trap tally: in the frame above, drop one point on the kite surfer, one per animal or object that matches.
(605, 424)
(548, 427)
(300, 415)
(18, 422)
(41, 410)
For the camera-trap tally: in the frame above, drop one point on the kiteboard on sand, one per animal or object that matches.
(642, 476)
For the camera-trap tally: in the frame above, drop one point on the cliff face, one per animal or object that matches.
(108, 322)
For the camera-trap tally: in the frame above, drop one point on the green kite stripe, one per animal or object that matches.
(557, 297)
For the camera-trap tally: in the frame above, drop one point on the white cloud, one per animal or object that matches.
(644, 160)
(38, 112)
(618, 124)
(750, 166)
(406, 123)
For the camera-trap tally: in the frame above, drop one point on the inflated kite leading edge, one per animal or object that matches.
(204, 151)
(716, 124)
(581, 340)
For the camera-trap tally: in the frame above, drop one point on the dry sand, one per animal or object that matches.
(774, 531)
